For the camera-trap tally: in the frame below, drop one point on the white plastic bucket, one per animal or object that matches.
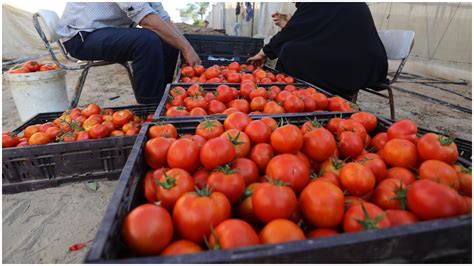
(37, 92)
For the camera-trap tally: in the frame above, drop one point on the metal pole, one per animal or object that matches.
(253, 17)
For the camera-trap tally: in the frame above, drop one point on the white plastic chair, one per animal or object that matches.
(398, 45)
(50, 19)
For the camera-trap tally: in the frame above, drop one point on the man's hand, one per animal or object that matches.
(191, 57)
(280, 19)
(258, 60)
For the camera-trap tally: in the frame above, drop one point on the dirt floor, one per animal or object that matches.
(38, 227)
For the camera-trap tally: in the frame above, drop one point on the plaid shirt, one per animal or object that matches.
(91, 16)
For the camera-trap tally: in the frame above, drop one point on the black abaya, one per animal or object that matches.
(332, 45)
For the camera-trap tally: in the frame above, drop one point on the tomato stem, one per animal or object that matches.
(445, 141)
(169, 181)
(369, 223)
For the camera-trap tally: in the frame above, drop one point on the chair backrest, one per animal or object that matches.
(50, 19)
(397, 43)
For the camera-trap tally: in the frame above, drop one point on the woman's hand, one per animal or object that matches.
(280, 19)
(191, 57)
(258, 60)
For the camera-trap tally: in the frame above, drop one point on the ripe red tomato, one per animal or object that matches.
(198, 111)
(132, 132)
(247, 169)
(375, 163)
(287, 139)
(357, 179)
(319, 144)
(309, 104)
(245, 207)
(350, 144)
(289, 169)
(368, 120)
(378, 141)
(32, 66)
(30, 130)
(439, 172)
(90, 110)
(326, 177)
(181, 247)
(259, 92)
(166, 131)
(198, 69)
(194, 102)
(150, 183)
(322, 204)
(261, 155)
(258, 132)
(200, 178)
(9, 140)
(437, 147)
(401, 173)
(332, 165)
(465, 179)
(400, 152)
(156, 150)
(187, 72)
(364, 216)
(173, 184)
(257, 104)
(37, 138)
(147, 229)
(227, 181)
(293, 104)
(184, 154)
(403, 129)
(280, 231)
(400, 217)
(210, 129)
(352, 126)
(333, 124)
(216, 107)
(177, 111)
(195, 213)
(237, 120)
(321, 101)
(430, 200)
(240, 140)
(233, 233)
(270, 122)
(390, 194)
(121, 117)
(216, 152)
(322, 232)
(272, 107)
(224, 93)
(241, 105)
(273, 200)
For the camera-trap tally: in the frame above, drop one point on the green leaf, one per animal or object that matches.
(93, 185)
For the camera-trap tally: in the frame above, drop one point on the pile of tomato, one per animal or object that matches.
(244, 182)
(78, 124)
(251, 99)
(232, 73)
(33, 66)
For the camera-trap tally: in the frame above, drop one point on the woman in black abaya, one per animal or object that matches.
(333, 45)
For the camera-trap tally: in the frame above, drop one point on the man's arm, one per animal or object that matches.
(170, 34)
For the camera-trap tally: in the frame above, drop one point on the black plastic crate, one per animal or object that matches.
(430, 241)
(36, 167)
(212, 47)
(161, 110)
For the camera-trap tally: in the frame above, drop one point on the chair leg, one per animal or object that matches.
(354, 97)
(392, 103)
(78, 88)
(130, 75)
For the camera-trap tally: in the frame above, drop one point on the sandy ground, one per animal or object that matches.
(38, 227)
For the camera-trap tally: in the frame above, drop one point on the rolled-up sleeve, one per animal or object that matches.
(158, 7)
(137, 11)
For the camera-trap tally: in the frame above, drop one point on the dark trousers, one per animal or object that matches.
(153, 60)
